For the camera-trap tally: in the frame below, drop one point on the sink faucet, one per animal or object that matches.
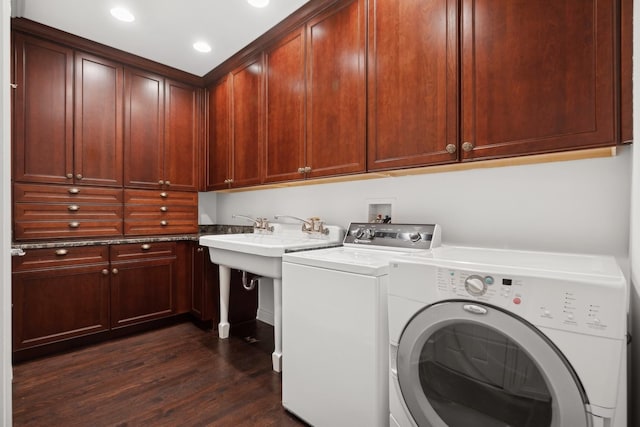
(312, 225)
(258, 223)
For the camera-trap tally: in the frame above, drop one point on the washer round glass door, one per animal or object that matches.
(463, 363)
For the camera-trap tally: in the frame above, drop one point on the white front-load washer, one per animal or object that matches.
(334, 325)
(488, 337)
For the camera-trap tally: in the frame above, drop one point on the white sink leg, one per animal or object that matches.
(225, 283)
(276, 357)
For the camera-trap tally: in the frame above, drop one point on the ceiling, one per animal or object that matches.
(164, 30)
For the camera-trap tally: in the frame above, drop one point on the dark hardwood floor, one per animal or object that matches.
(180, 375)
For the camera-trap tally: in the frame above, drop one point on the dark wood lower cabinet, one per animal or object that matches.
(56, 304)
(72, 294)
(205, 296)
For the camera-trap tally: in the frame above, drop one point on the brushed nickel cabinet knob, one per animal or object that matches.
(61, 252)
(145, 247)
(105, 271)
(467, 146)
(451, 148)
(74, 224)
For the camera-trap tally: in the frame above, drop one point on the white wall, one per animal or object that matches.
(634, 249)
(5, 218)
(574, 206)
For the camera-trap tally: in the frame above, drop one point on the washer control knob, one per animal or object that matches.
(475, 285)
(365, 233)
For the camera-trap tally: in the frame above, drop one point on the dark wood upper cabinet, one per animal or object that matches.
(336, 91)
(143, 129)
(236, 127)
(316, 97)
(42, 111)
(219, 135)
(247, 123)
(98, 121)
(285, 108)
(537, 76)
(181, 136)
(412, 84)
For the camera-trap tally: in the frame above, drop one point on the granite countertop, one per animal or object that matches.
(203, 230)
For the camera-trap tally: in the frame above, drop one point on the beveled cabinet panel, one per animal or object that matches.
(247, 124)
(413, 83)
(42, 111)
(143, 129)
(537, 76)
(336, 91)
(219, 134)
(98, 121)
(285, 108)
(181, 155)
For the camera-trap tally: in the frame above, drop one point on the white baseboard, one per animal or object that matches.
(265, 316)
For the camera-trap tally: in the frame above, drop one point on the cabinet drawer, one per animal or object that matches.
(157, 197)
(67, 212)
(134, 251)
(163, 212)
(34, 193)
(74, 229)
(154, 227)
(56, 257)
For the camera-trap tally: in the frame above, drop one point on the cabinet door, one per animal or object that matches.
(43, 111)
(143, 129)
(219, 144)
(412, 84)
(336, 91)
(181, 137)
(55, 304)
(142, 290)
(98, 121)
(247, 124)
(537, 76)
(204, 288)
(285, 108)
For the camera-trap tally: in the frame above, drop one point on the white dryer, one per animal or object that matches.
(488, 337)
(334, 324)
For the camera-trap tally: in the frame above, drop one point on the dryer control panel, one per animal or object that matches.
(584, 307)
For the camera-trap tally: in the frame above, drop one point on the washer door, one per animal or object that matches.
(463, 363)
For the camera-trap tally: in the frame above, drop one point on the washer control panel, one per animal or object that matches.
(403, 236)
(582, 307)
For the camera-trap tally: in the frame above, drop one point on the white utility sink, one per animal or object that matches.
(261, 253)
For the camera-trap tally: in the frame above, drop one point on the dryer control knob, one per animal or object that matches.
(475, 285)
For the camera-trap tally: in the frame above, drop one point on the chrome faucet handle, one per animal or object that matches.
(256, 222)
(264, 224)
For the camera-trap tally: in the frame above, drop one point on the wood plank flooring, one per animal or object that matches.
(180, 375)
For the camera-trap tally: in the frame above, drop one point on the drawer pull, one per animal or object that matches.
(164, 195)
(167, 183)
(74, 190)
(164, 223)
(161, 182)
(61, 252)
(105, 272)
(114, 271)
(145, 247)
(69, 176)
(78, 176)
(74, 224)
(73, 208)
(163, 209)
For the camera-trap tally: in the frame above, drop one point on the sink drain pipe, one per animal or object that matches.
(249, 283)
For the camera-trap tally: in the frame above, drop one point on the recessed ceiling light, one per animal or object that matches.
(122, 14)
(202, 47)
(258, 3)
